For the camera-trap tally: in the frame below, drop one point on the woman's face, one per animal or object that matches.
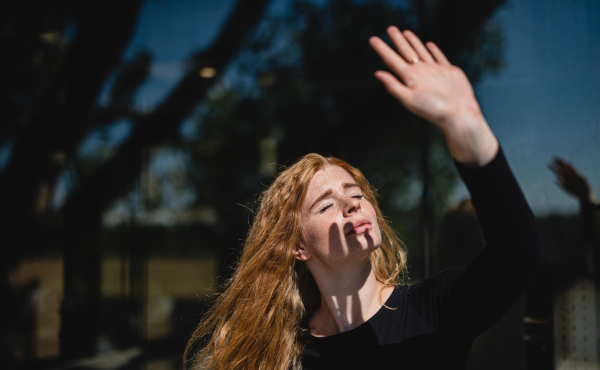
(338, 224)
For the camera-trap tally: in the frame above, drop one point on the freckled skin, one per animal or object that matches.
(326, 224)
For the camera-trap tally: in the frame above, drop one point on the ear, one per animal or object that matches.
(300, 252)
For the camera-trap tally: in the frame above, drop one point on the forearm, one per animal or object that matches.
(508, 224)
(489, 285)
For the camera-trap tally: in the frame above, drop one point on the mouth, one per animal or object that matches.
(360, 227)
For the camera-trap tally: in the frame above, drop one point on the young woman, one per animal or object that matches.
(319, 282)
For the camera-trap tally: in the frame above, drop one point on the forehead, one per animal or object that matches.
(328, 177)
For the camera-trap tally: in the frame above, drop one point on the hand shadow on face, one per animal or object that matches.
(348, 306)
(335, 238)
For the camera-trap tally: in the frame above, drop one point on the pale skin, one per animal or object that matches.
(424, 81)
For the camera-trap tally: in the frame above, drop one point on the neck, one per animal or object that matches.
(349, 297)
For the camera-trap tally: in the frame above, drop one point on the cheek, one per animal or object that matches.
(324, 240)
(375, 232)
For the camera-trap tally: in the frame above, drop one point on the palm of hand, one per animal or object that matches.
(438, 92)
(431, 87)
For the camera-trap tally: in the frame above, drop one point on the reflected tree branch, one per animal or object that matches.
(115, 178)
(102, 33)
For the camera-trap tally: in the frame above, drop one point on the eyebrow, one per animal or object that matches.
(328, 192)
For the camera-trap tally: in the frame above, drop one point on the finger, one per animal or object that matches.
(388, 55)
(558, 171)
(562, 165)
(402, 45)
(437, 53)
(569, 169)
(418, 46)
(572, 171)
(393, 86)
(555, 166)
(560, 160)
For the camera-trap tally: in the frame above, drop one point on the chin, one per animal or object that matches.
(369, 241)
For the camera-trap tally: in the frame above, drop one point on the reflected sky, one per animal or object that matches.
(544, 103)
(172, 31)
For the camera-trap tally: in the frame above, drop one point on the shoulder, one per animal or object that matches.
(436, 282)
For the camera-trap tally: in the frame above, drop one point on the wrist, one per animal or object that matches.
(464, 121)
(587, 199)
(470, 139)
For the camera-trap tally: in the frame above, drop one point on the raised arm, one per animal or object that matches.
(429, 86)
(467, 300)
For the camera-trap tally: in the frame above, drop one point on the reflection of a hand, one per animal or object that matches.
(570, 180)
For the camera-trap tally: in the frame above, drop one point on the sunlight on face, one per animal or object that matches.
(338, 224)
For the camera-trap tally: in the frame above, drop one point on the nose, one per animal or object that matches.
(351, 206)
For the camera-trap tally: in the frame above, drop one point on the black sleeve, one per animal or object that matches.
(466, 301)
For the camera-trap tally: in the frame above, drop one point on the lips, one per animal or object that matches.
(360, 226)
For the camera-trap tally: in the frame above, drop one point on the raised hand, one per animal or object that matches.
(434, 89)
(570, 180)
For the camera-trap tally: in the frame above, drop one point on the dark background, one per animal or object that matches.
(135, 137)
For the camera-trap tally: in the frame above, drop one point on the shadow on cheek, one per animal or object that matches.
(370, 241)
(337, 244)
(335, 239)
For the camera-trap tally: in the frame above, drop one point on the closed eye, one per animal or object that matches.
(331, 204)
(325, 208)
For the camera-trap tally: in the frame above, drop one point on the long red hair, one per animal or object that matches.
(255, 322)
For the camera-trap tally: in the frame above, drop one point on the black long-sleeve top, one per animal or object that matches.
(432, 324)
